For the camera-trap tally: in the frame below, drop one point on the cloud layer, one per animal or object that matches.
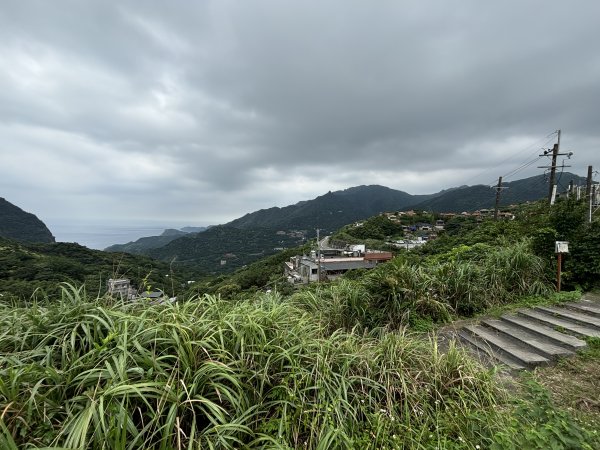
(199, 112)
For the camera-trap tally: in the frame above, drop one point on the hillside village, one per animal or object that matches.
(332, 261)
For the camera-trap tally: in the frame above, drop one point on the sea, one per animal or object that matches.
(100, 236)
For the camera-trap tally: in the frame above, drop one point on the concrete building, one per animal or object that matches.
(305, 269)
(120, 287)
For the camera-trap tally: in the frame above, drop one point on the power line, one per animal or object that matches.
(521, 167)
(552, 185)
(535, 144)
(528, 163)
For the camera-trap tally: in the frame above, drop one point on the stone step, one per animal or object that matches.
(585, 307)
(535, 342)
(482, 347)
(561, 339)
(502, 344)
(575, 317)
(553, 321)
(591, 297)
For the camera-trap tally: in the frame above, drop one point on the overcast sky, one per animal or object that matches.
(199, 112)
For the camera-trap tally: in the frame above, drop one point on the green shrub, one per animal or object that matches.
(211, 373)
(536, 423)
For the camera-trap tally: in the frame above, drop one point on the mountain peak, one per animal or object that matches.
(331, 210)
(22, 226)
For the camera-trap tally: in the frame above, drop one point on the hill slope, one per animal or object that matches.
(25, 267)
(257, 234)
(470, 198)
(332, 210)
(22, 226)
(237, 247)
(143, 245)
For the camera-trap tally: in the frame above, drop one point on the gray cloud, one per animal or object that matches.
(203, 111)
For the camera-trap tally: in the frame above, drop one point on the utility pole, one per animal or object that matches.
(588, 187)
(318, 257)
(553, 172)
(552, 167)
(498, 191)
(571, 187)
(588, 193)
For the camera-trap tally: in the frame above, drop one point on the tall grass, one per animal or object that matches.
(208, 373)
(467, 281)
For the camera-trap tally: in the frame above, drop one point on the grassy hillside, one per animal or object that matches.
(266, 372)
(210, 373)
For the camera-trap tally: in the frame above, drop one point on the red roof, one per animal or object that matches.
(383, 256)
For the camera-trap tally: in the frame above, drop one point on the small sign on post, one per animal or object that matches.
(560, 247)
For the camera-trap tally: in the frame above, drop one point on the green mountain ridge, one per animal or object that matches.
(332, 210)
(224, 248)
(145, 244)
(470, 198)
(22, 226)
(257, 234)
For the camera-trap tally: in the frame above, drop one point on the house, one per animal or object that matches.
(408, 244)
(424, 226)
(120, 287)
(153, 295)
(374, 258)
(305, 269)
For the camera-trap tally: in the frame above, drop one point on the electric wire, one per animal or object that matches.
(541, 142)
(527, 163)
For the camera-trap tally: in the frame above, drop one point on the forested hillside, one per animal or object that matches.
(20, 225)
(258, 234)
(224, 248)
(144, 244)
(332, 210)
(27, 267)
(470, 198)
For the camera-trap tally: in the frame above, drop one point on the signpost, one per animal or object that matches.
(560, 247)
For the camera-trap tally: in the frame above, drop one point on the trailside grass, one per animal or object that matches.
(82, 372)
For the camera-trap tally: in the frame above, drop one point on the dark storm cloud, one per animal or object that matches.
(207, 110)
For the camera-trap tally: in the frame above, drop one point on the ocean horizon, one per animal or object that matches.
(100, 236)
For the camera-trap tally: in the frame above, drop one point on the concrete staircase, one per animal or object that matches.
(536, 336)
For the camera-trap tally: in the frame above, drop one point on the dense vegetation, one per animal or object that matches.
(26, 268)
(332, 365)
(466, 281)
(142, 245)
(255, 235)
(234, 246)
(332, 210)
(471, 198)
(374, 228)
(540, 226)
(258, 373)
(20, 225)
